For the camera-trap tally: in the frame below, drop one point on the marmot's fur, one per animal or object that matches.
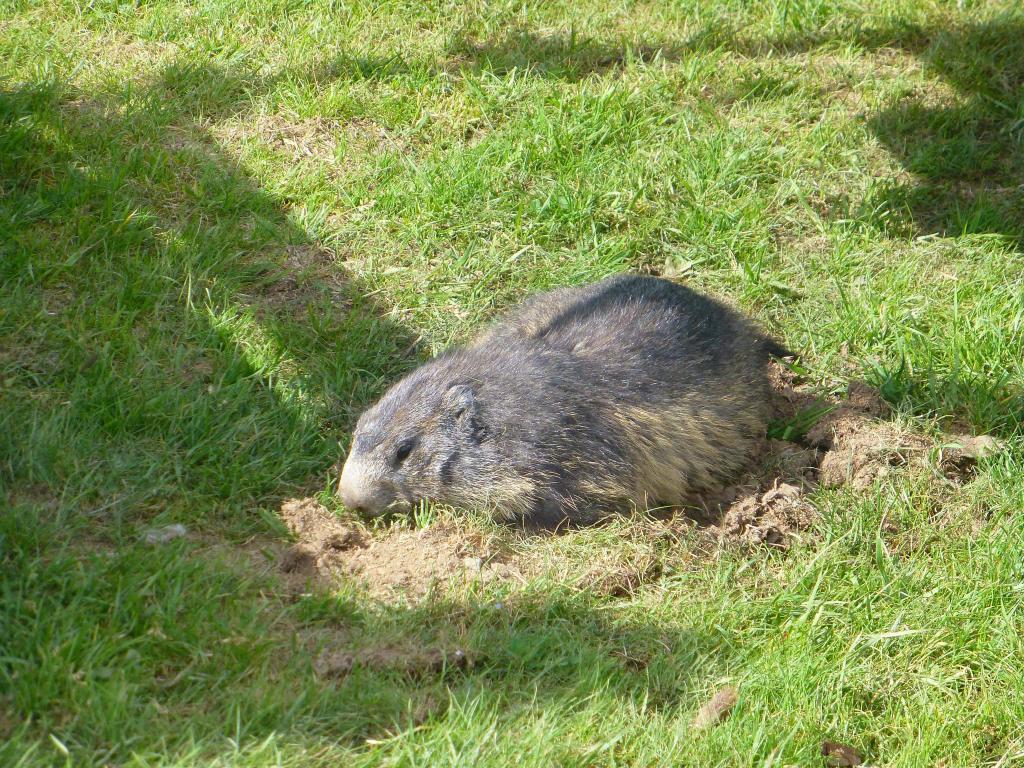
(579, 402)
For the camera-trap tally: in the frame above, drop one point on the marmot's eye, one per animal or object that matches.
(403, 451)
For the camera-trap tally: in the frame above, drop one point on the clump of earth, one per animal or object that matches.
(852, 443)
(409, 562)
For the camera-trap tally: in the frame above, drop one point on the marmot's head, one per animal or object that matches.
(427, 438)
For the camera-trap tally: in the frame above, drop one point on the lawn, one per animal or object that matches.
(226, 227)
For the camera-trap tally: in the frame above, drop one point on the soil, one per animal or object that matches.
(852, 444)
(768, 505)
(403, 562)
(308, 273)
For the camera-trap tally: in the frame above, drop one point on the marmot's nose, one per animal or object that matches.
(347, 497)
(350, 495)
(357, 492)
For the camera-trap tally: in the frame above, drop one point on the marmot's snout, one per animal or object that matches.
(361, 492)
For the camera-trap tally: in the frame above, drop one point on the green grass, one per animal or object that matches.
(225, 227)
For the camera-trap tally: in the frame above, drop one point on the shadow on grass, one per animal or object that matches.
(965, 160)
(561, 56)
(564, 57)
(173, 330)
(551, 652)
(965, 176)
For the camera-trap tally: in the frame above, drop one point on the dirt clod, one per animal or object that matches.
(840, 755)
(415, 561)
(766, 505)
(980, 446)
(165, 534)
(716, 708)
(771, 518)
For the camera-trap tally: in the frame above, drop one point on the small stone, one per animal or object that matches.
(717, 707)
(165, 534)
(473, 564)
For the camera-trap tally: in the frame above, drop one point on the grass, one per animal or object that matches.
(225, 227)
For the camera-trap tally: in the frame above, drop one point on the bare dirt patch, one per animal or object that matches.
(33, 495)
(622, 579)
(308, 272)
(400, 563)
(298, 139)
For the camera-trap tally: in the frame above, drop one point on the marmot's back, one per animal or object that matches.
(629, 315)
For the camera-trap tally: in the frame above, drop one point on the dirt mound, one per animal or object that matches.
(858, 446)
(767, 505)
(847, 441)
(867, 452)
(771, 517)
(402, 562)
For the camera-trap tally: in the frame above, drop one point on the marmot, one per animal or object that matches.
(580, 402)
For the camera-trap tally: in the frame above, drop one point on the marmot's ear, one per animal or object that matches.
(460, 401)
